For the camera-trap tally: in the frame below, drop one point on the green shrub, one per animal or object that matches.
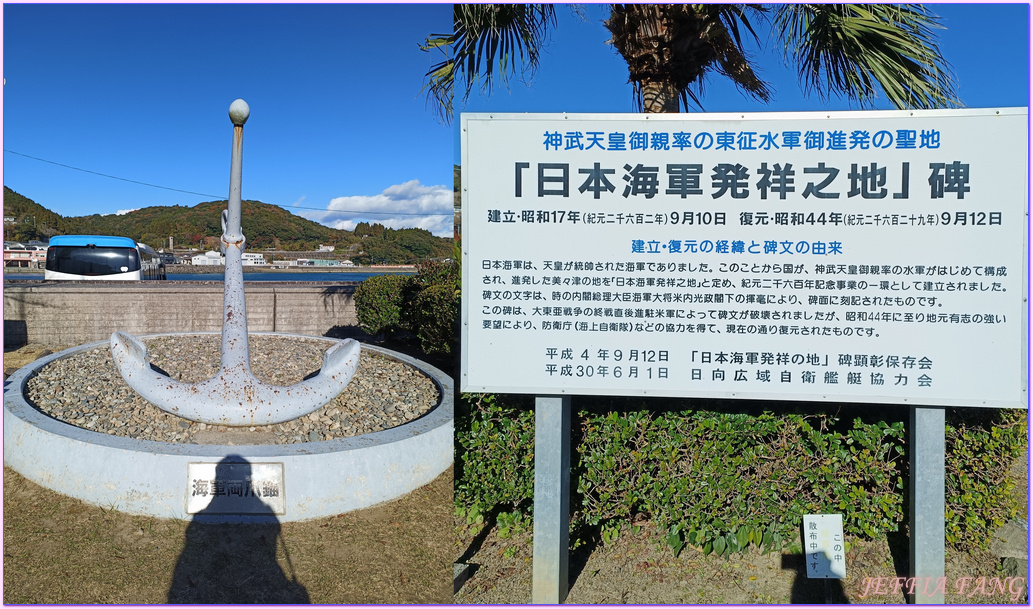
(494, 451)
(425, 304)
(436, 272)
(981, 446)
(736, 475)
(379, 302)
(434, 312)
(723, 481)
(431, 306)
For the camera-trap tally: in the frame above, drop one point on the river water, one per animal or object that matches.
(334, 277)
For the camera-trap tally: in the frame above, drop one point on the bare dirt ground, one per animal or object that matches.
(61, 550)
(24, 356)
(636, 569)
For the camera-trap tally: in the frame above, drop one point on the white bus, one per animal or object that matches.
(100, 258)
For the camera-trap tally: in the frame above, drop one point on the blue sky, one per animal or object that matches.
(141, 92)
(987, 45)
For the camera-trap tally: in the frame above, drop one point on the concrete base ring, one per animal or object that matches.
(149, 478)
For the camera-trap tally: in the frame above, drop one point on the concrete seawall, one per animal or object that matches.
(73, 313)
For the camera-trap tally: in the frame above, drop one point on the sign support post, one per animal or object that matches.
(927, 509)
(551, 500)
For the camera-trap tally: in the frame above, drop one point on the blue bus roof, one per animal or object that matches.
(97, 240)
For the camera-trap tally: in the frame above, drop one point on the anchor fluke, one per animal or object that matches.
(234, 397)
(130, 354)
(340, 359)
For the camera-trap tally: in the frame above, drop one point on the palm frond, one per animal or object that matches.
(490, 42)
(438, 80)
(732, 58)
(857, 50)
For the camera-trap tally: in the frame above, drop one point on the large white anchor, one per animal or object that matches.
(234, 396)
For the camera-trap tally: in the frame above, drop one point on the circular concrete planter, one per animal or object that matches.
(150, 478)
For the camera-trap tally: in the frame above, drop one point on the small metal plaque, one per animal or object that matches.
(235, 488)
(824, 547)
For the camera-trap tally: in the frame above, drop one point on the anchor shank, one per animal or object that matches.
(235, 354)
(231, 228)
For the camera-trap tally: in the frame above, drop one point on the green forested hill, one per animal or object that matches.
(263, 225)
(31, 220)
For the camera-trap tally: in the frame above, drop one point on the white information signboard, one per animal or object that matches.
(857, 256)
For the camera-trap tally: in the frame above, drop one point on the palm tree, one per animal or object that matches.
(485, 35)
(671, 48)
(850, 50)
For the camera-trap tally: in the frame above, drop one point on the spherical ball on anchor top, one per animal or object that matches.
(239, 111)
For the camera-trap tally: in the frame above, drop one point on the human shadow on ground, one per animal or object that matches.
(808, 590)
(229, 555)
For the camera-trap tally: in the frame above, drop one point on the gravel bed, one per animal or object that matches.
(86, 390)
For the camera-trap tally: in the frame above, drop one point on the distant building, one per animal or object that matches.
(252, 259)
(322, 262)
(24, 257)
(327, 248)
(208, 259)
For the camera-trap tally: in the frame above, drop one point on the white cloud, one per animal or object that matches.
(123, 212)
(407, 205)
(298, 202)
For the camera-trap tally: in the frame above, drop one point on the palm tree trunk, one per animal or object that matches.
(659, 97)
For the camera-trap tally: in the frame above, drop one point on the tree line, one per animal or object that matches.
(264, 225)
